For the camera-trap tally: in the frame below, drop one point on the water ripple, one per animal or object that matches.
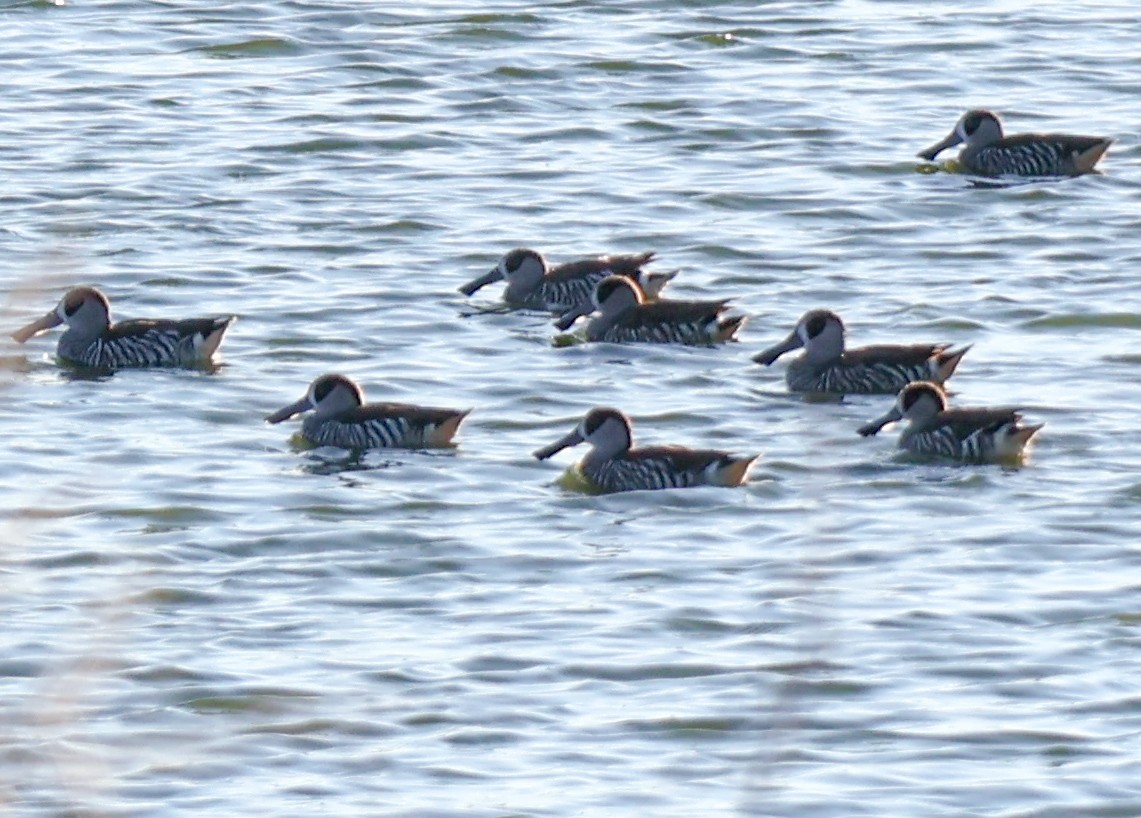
(199, 609)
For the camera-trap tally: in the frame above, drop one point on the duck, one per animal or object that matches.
(341, 418)
(92, 340)
(968, 435)
(613, 465)
(623, 314)
(533, 284)
(827, 367)
(989, 153)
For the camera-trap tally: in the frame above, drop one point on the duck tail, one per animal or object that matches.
(946, 362)
(731, 470)
(728, 326)
(445, 430)
(212, 338)
(1084, 160)
(1022, 434)
(1012, 439)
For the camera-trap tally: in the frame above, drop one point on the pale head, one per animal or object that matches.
(921, 400)
(616, 294)
(917, 402)
(612, 297)
(606, 430)
(976, 127)
(820, 332)
(328, 395)
(85, 310)
(521, 268)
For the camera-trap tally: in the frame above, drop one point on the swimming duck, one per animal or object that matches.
(989, 153)
(612, 465)
(92, 340)
(826, 366)
(624, 315)
(533, 284)
(342, 418)
(968, 435)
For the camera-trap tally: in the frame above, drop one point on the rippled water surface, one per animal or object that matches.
(204, 619)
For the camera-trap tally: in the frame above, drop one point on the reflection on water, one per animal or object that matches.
(327, 464)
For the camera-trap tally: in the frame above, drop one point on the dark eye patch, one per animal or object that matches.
(816, 325)
(72, 305)
(592, 422)
(972, 122)
(516, 257)
(323, 388)
(608, 287)
(913, 394)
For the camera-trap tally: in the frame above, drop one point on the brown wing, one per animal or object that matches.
(656, 313)
(185, 328)
(419, 415)
(627, 265)
(630, 265)
(895, 354)
(683, 459)
(1078, 144)
(965, 422)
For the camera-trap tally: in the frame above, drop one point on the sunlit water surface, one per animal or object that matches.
(202, 619)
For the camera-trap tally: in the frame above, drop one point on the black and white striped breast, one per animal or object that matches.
(977, 446)
(156, 347)
(632, 474)
(866, 379)
(941, 441)
(659, 332)
(1029, 158)
(566, 293)
(377, 433)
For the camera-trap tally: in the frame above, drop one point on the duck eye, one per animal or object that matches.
(815, 325)
(72, 307)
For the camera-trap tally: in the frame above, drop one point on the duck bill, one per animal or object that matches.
(564, 321)
(769, 355)
(285, 413)
(39, 325)
(869, 429)
(571, 439)
(951, 140)
(482, 281)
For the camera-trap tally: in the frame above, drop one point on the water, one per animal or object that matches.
(203, 620)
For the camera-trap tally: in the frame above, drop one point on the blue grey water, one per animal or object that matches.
(201, 618)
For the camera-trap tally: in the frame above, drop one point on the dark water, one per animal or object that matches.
(201, 619)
